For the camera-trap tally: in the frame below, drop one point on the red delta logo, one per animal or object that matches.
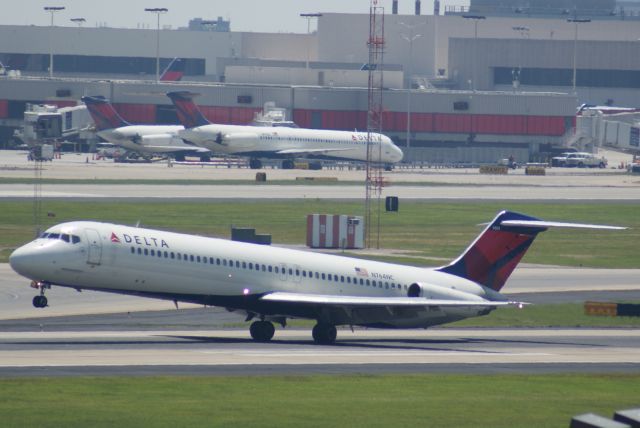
(114, 238)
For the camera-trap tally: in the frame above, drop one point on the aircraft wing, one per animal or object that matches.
(364, 301)
(171, 149)
(311, 151)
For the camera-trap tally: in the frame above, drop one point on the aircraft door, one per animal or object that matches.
(94, 255)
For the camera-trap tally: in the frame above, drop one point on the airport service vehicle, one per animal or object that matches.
(144, 140)
(272, 284)
(286, 143)
(560, 160)
(585, 160)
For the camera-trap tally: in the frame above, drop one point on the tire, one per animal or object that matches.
(601, 165)
(179, 158)
(255, 163)
(262, 331)
(287, 164)
(205, 159)
(324, 334)
(40, 302)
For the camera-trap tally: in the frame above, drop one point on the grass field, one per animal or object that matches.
(314, 401)
(432, 232)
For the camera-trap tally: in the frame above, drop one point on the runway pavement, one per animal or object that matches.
(292, 351)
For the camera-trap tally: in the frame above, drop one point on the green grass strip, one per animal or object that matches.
(314, 401)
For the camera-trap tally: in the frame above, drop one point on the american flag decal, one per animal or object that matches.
(114, 238)
(362, 272)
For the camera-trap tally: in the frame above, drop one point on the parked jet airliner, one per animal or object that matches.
(286, 143)
(273, 284)
(142, 139)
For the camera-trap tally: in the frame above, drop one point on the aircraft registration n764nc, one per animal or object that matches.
(273, 284)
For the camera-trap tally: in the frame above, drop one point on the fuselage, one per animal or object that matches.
(210, 271)
(148, 138)
(282, 142)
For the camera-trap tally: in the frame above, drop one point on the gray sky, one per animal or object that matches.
(245, 15)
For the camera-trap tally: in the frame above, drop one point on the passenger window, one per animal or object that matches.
(153, 253)
(237, 264)
(197, 259)
(244, 265)
(179, 256)
(191, 257)
(133, 250)
(297, 272)
(322, 276)
(270, 268)
(317, 276)
(277, 269)
(139, 251)
(368, 283)
(361, 281)
(173, 255)
(146, 252)
(329, 277)
(304, 273)
(250, 265)
(341, 278)
(290, 271)
(224, 262)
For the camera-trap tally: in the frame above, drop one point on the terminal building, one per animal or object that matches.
(477, 84)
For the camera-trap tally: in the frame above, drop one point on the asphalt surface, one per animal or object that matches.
(292, 351)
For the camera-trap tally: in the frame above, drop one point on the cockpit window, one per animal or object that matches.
(74, 239)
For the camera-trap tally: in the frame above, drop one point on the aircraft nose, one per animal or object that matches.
(397, 154)
(19, 260)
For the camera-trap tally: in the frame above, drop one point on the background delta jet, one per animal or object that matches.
(274, 284)
(144, 140)
(258, 142)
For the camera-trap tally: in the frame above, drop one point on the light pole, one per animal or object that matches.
(158, 11)
(575, 21)
(475, 19)
(309, 17)
(78, 21)
(52, 10)
(410, 39)
(524, 32)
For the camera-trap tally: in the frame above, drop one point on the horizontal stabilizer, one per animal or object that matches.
(545, 224)
(345, 301)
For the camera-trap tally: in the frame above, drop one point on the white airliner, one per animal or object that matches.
(273, 284)
(286, 143)
(142, 139)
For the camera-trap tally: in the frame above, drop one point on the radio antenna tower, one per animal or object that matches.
(374, 182)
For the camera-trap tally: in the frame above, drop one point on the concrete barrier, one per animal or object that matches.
(494, 169)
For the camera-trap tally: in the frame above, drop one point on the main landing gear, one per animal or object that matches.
(40, 301)
(324, 334)
(262, 331)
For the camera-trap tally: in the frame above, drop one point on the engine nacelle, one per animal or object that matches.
(160, 140)
(430, 291)
(240, 140)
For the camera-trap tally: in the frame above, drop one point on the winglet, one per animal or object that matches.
(188, 113)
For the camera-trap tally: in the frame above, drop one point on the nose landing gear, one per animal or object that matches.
(40, 301)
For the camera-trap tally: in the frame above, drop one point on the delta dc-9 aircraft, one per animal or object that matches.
(271, 284)
(286, 143)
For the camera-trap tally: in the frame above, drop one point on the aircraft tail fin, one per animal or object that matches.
(103, 113)
(496, 252)
(174, 71)
(188, 112)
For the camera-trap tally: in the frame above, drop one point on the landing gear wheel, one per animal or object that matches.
(287, 164)
(255, 163)
(324, 334)
(40, 301)
(262, 331)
